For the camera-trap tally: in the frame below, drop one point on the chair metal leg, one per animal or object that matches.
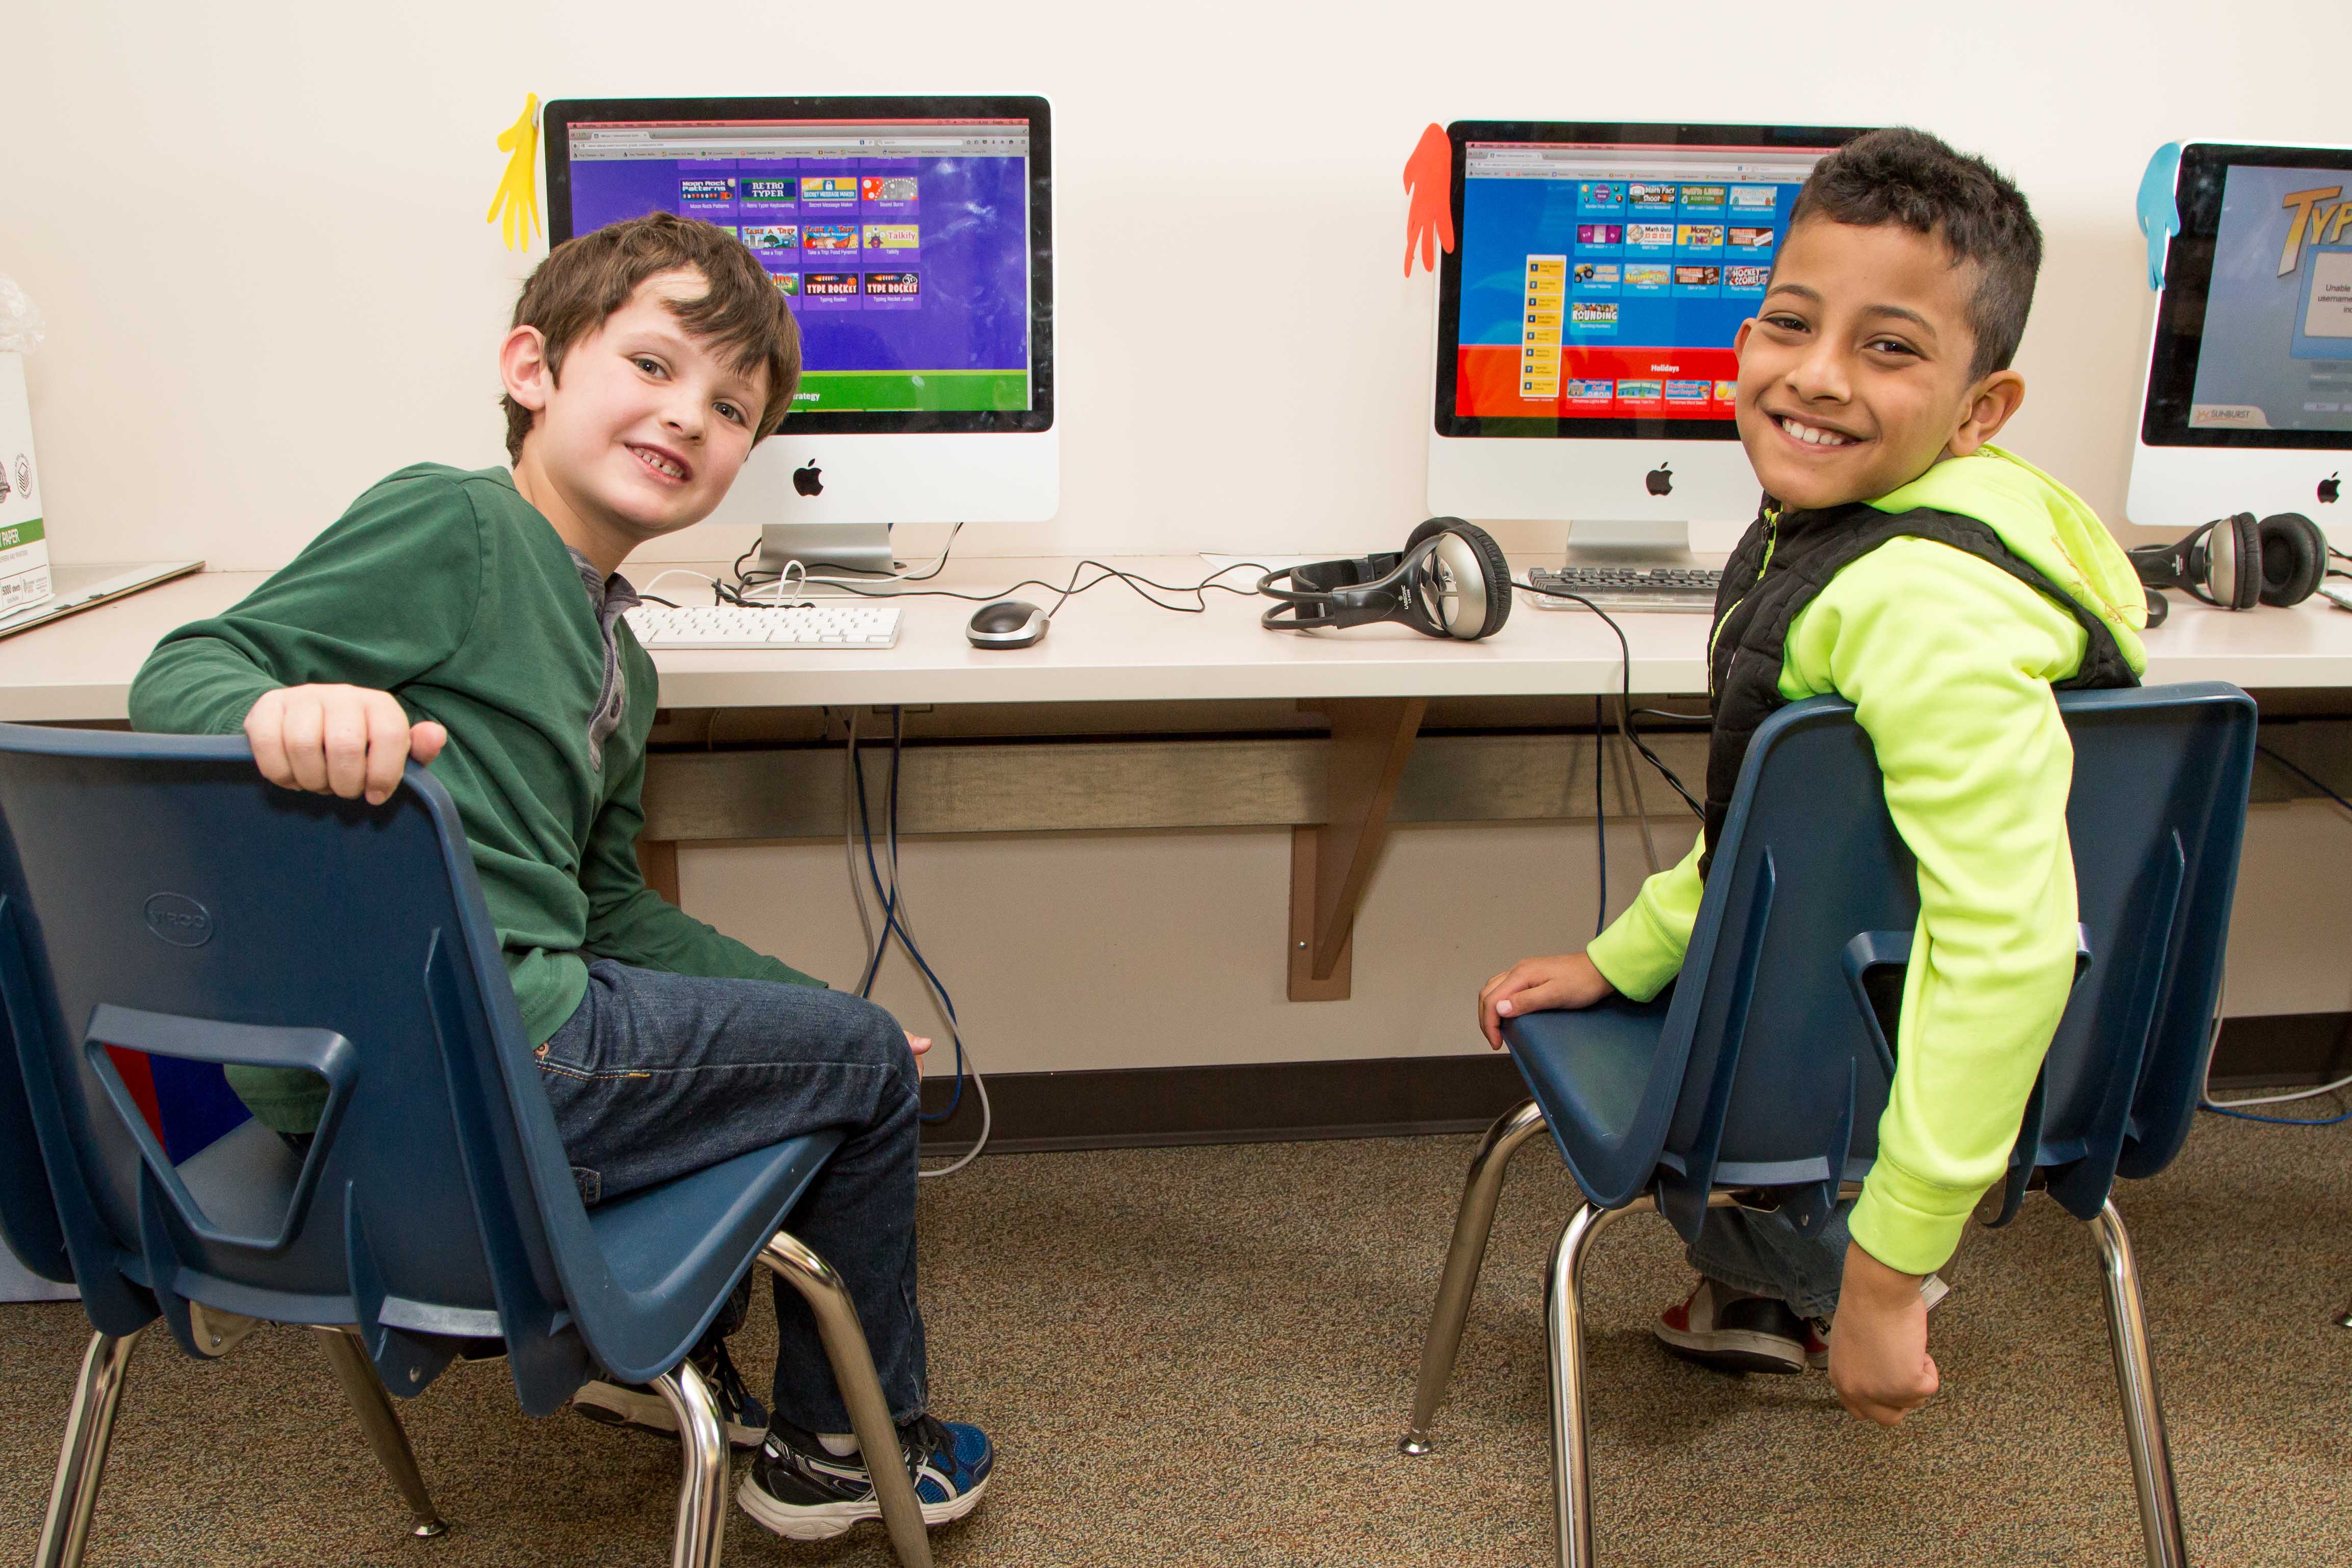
(81, 1459)
(1571, 1473)
(365, 1392)
(1571, 1476)
(861, 1390)
(1473, 1222)
(2160, 1506)
(702, 1488)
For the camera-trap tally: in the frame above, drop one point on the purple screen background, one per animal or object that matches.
(973, 310)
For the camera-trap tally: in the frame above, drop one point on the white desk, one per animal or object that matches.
(1107, 645)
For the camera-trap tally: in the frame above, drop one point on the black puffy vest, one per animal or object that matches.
(1775, 572)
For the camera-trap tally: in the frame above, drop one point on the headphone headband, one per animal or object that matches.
(1450, 580)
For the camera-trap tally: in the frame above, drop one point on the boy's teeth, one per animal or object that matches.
(1814, 436)
(662, 464)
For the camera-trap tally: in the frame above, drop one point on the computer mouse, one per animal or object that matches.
(1007, 623)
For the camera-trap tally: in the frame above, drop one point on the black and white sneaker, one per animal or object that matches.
(803, 1492)
(1720, 1327)
(637, 1407)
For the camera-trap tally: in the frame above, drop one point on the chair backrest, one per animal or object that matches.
(1775, 1061)
(156, 894)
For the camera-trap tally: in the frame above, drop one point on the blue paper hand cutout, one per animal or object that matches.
(2159, 214)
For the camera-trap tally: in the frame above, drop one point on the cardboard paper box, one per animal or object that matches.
(23, 542)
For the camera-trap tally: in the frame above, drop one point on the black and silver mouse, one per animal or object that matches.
(1007, 623)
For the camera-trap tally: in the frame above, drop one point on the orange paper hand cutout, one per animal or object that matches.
(1429, 222)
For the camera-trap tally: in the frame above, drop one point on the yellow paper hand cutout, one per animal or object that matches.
(517, 197)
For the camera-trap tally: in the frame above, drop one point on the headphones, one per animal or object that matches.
(1449, 581)
(2236, 562)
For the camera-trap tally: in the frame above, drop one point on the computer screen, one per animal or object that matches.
(1600, 283)
(909, 243)
(2249, 398)
(2276, 349)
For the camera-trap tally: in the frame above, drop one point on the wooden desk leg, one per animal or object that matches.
(657, 861)
(1331, 862)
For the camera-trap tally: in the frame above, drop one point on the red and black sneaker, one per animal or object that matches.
(1730, 1331)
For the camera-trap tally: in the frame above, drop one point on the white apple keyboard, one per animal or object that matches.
(791, 626)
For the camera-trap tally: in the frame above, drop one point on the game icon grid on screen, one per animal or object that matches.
(903, 245)
(1605, 282)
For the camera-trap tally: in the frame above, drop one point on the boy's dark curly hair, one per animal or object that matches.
(1905, 176)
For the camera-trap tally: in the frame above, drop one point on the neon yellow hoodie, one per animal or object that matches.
(1948, 661)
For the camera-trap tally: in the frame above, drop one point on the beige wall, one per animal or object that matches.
(257, 230)
(1070, 951)
(258, 227)
(1090, 950)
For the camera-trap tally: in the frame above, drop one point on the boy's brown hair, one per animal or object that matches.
(1903, 176)
(586, 278)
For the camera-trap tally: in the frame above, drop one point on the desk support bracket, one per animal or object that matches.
(657, 861)
(1331, 862)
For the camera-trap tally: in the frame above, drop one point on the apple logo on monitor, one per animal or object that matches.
(2327, 490)
(1660, 480)
(809, 479)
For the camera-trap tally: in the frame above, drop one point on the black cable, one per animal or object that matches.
(891, 925)
(1601, 809)
(1135, 581)
(751, 578)
(2306, 778)
(657, 599)
(1625, 669)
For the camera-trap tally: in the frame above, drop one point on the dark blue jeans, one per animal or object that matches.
(656, 1075)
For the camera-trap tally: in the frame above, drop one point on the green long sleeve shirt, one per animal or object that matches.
(452, 592)
(1948, 661)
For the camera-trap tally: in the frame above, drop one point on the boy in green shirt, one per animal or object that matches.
(473, 621)
(1944, 587)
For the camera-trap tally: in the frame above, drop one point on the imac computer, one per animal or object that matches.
(1585, 320)
(913, 238)
(2248, 405)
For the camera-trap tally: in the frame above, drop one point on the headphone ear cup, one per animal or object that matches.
(1498, 577)
(1492, 564)
(2294, 557)
(1436, 526)
(2234, 562)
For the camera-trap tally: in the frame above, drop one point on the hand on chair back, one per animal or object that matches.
(338, 740)
(1535, 985)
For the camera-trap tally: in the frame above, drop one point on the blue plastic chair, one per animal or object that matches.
(1759, 1077)
(156, 894)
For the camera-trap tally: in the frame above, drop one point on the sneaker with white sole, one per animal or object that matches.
(1730, 1331)
(803, 1492)
(637, 1407)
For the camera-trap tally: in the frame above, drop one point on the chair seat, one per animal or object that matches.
(1588, 1070)
(660, 1240)
(678, 1248)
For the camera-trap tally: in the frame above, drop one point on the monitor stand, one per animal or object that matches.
(1644, 543)
(853, 546)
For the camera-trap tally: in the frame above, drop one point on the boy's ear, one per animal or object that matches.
(523, 368)
(1995, 399)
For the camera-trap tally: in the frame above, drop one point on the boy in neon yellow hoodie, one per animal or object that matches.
(1945, 588)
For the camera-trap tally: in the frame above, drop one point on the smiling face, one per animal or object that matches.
(1855, 375)
(646, 426)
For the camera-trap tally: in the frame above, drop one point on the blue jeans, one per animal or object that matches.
(656, 1075)
(1762, 1255)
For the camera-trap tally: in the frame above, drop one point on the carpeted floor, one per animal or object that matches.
(1205, 1355)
